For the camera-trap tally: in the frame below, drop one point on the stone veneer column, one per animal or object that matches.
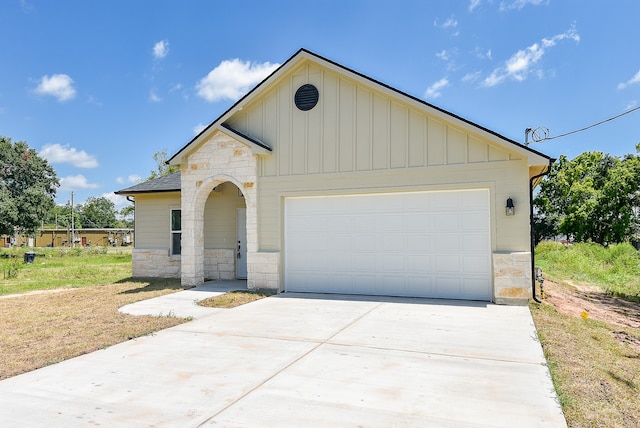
(218, 160)
(512, 277)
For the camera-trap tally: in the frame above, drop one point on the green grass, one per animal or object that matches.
(62, 268)
(616, 268)
(596, 376)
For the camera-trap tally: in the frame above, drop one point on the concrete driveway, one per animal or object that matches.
(305, 360)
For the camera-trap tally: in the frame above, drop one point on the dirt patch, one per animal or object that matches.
(576, 299)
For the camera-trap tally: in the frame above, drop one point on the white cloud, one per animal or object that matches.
(74, 182)
(634, 79)
(449, 23)
(519, 4)
(433, 91)
(132, 178)
(232, 79)
(153, 96)
(522, 62)
(161, 49)
(118, 200)
(471, 77)
(56, 153)
(443, 55)
(473, 5)
(27, 7)
(198, 128)
(58, 85)
(483, 54)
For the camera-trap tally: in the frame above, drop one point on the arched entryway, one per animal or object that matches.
(226, 166)
(225, 233)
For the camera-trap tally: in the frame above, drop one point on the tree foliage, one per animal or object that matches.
(592, 198)
(162, 167)
(98, 213)
(28, 187)
(60, 217)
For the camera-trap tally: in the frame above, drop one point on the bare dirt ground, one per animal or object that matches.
(582, 300)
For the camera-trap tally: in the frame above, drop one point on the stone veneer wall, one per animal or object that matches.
(263, 270)
(155, 263)
(512, 277)
(219, 264)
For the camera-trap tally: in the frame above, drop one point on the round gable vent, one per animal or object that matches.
(306, 97)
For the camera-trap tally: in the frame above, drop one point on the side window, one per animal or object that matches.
(176, 232)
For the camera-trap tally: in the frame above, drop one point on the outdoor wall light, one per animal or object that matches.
(510, 209)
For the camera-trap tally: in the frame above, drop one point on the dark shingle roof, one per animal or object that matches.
(168, 183)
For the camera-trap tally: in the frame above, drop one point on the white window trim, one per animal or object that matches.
(172, 232)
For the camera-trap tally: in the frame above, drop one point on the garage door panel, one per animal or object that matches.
(475, 243)
(471, 222)
(419, 243)
(447, 222)
(419, 222)
(364, 243)
(392, 262)
(419, 263)
(363, 223)
(425, 244)
(475, 264)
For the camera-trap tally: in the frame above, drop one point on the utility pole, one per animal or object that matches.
(73, 232)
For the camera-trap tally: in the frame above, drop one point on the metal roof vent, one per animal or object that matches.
(306, 97)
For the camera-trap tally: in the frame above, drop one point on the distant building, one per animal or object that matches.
(79, 238)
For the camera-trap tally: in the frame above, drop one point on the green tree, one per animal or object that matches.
(60, 216)
(162, 167)
(593, 197)
(28, 187)
(98, 212)
(126, 217)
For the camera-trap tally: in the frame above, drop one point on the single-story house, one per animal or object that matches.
(322, 179)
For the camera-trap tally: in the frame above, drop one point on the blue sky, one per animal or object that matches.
(97, 87)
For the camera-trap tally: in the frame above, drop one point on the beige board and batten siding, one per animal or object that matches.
(154, 208)
(220, 218)
(361, 139)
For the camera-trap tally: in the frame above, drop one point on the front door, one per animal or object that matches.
(241, 251)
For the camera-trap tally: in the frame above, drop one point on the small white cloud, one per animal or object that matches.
(634, 79)
(57, 153)
(118, 200)
(449, 23)
(522, 62)
(481, 54)
(161, 49)
(443, 55)
(198, 128)
(153, 96)
(471, 77)
(473, 5)
(27, 7)
(232, 79)
(74, 182)
(132, 178)
(59, 86)
(633, 104)
(433, 91)
(519, 4)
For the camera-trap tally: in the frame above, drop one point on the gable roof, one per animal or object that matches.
(167, 183)
(304, 54)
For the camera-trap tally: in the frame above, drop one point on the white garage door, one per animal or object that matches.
(422, 244)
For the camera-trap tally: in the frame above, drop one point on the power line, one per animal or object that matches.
(541, 134)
